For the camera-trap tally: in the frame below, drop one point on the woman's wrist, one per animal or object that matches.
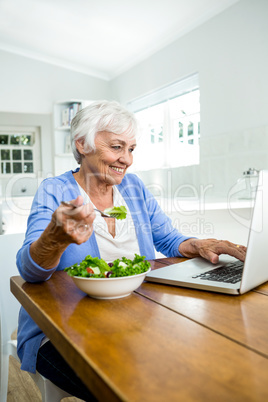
(47, 250)
(189, 248)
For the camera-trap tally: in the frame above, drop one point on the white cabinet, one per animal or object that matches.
(63, 114)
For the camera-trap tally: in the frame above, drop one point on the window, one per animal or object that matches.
(17, 151)
(169, 121)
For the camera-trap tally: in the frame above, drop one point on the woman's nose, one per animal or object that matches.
(126, 158)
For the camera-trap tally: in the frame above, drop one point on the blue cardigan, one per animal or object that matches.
(154, 230)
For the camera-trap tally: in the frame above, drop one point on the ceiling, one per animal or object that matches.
(102, 38)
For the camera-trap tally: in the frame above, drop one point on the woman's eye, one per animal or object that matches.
(131, 149)
(116, 147)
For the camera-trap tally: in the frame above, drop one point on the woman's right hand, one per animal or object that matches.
(73, 223)
(69, 224)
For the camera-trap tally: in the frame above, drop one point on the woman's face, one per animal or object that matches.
(112, 158)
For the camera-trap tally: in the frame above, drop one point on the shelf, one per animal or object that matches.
(64, 155)
(63, 128)
(63, 114)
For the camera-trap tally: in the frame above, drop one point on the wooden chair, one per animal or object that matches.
(9, 309)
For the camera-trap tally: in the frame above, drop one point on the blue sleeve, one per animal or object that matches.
(166, 238)
(154, 228)
(46, 201)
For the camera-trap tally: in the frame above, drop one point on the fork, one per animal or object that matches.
(69, 204)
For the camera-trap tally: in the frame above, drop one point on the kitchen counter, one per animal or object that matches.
(215, 217)
(191, 204)
(210, 217)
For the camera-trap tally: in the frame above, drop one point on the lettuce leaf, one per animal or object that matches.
(126, 267)
(117, 212)
(81, 269)
(120, 267)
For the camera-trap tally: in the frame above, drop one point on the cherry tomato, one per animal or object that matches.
(90, 270)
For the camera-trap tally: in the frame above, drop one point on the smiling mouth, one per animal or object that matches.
(117, 169)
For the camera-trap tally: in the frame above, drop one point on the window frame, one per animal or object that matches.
(164, 96)
(35, 148)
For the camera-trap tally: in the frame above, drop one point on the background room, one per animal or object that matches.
(140, 51)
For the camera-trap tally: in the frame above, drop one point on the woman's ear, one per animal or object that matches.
(80, 146)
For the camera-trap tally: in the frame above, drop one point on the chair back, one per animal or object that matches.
(9, 306)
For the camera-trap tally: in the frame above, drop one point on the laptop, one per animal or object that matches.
(229, 275)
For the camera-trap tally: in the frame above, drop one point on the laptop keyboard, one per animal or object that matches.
(229, 273)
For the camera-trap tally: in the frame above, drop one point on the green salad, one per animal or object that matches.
(116, 212)
(94, 267)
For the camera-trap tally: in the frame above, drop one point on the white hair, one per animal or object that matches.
(100, 116)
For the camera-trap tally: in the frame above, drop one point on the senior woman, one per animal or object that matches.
(59, 235)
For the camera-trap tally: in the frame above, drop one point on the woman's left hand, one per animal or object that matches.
(211, 249)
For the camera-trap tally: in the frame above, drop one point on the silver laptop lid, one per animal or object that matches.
(256, 265)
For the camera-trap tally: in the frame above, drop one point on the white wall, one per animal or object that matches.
(230, 54)
(31, 86)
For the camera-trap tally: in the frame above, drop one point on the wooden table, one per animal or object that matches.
(161, 343)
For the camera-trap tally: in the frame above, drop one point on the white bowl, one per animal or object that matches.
(110, 288)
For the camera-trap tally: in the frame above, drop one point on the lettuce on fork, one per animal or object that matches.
(117, 212)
